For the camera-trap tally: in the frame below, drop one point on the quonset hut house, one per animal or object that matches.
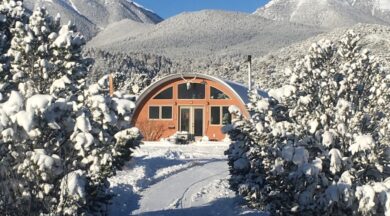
(194, 103)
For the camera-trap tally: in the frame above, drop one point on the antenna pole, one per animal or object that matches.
(249, 72)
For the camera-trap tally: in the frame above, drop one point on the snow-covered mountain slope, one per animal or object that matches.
(104, 12)
(204, 33)
(327, 13)
(67, 12)
(93, 15)
(269, 69)
(377, 8)
(121, 31)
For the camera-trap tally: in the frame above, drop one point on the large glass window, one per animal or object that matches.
(166, 112)
(191, 91)
(166, 94)
(217, 94)
(154, 112)
(215, 116)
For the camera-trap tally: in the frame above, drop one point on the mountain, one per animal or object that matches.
(217, 42)
(269, 69)
(328, 13)
(202, 34)
(377, 8)
(91, 16)
(209, 42)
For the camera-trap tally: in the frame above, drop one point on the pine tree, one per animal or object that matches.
(12, 12)
(322, 148)
(58, 154)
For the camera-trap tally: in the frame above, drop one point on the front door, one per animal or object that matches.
(191, 120)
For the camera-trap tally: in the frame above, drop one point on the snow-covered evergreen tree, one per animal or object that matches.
(12, 12)
(319, 145)
(133, 84)
(43, 55)
(56, 153)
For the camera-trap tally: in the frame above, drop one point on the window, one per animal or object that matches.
(217, 94)
(166, 94)
(166, 112)
(154, 112)
(220, 115)
(160, 112)
(215, 115)
(226, 116)
(191, 91)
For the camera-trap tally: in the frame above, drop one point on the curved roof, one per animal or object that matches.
(240, 91)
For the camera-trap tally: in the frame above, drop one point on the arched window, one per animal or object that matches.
(166, 94)
(192, 91)
(217, 94)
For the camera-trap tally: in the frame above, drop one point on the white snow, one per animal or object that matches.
(167, 179)
(282, 92)
(123, 106)
(384, 5)
(14, 103)
(74, 6)
(59, 84)
(366, 195)
(38, 103)
(327, 138)
(362, 143)
(25, 120)
(140, 6)
(262, 105)
(83, 124)
(73, 184)
(335, 160)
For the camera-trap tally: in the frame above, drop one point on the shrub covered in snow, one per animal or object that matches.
(59, 141)
(321, 144)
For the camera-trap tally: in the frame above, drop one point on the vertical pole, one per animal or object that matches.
(111, 83)
(249, 72)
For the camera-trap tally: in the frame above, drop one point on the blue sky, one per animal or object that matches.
(168, 8)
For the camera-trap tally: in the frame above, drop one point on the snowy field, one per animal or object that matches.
(165, 179)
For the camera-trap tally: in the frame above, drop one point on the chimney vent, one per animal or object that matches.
(249, 72)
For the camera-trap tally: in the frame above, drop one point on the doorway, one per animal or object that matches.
(191, 120)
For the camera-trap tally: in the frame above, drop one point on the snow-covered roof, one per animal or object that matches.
(240, 90)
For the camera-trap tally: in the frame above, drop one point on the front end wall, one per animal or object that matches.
(154, 130)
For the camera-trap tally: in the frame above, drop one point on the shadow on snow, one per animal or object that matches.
(221, 207)
(131, 200)
(124, 192)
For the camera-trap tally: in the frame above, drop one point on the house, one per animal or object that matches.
(195, 103)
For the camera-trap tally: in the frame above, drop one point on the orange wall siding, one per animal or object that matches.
(156, 129)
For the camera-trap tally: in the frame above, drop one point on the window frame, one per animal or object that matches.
(213, 87)
(211, 113)
(160, 113)
(155, 97)
(178, 92)
(220, 115)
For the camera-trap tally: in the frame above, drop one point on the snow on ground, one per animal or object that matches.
(166, 179)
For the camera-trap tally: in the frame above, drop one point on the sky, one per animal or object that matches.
(169, 8)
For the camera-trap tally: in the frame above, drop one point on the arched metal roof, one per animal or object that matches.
(240, 91)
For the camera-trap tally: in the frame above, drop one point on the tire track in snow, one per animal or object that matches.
(180, 200)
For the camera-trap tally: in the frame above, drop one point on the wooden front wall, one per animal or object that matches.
(154, 130)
